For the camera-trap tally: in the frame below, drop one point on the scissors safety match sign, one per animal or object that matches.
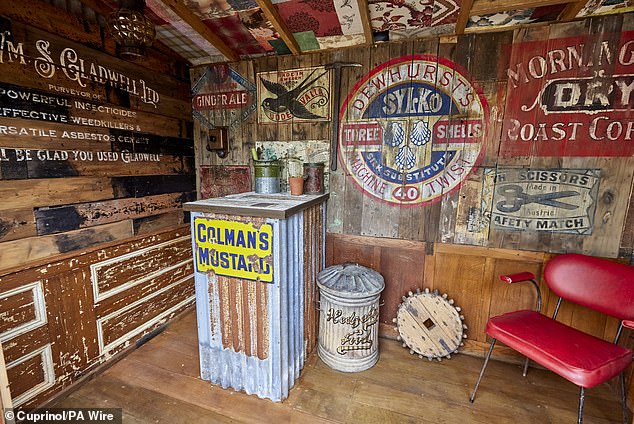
(556, 200)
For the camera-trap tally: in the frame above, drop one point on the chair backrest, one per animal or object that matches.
(605, 286)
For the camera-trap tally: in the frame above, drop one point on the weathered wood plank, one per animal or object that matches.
(136, 293)
(25, 375)
(18, 164)
(25, 343)
(109, 276)
(66, 218)
(19, 252)
(56, 191)
(16, 224)
(154, 223)
(16, 310)
(122, 323)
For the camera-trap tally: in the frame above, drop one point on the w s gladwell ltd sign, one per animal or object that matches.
(412, 130)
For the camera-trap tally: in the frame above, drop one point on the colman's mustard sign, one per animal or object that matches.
(234, 249)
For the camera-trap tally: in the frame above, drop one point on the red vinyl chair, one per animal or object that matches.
(582, 359)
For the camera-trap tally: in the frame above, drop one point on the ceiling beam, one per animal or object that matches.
(463, 17)
(572, 10)
(484, 7)
(199, 26)
(364, 13)
(98, 6)
(271, 13)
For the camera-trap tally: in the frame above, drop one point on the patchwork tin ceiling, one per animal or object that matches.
(208, 31)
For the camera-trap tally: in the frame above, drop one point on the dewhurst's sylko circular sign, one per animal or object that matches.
(412, 130)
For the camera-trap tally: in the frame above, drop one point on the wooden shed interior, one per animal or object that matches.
(462, 140)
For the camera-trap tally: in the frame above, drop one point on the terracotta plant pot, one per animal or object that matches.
(296, 185)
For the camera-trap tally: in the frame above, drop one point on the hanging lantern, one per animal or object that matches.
(131, 29)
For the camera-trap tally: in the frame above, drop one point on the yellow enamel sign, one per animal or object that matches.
(234, 249)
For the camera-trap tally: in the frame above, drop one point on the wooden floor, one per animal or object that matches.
(158, 383)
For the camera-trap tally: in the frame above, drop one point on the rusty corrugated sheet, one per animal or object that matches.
(314, 262)
(259, 333)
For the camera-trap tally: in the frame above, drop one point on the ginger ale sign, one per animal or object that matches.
(412, 130)
(234, 249)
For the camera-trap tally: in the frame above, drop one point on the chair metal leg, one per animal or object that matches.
(486, 361)
(581, 398)
(525, 367)
(623, 398)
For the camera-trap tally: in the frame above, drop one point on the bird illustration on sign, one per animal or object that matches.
(294, 95)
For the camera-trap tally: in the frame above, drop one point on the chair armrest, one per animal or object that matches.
(525, 276)
(516, 278)
(624, 323)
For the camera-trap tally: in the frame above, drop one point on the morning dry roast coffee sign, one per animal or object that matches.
(571, 97)
(412, 130)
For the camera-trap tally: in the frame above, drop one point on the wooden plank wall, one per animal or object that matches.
(461, 242)
(64, 317)
(96, 159)
(84, 162)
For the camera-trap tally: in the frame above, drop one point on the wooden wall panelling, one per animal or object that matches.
(462, 277)
(24, 74)
(241, 130)
(422, 223)
(159, 81)
(71, 323)
(83, 26)
(16, 224)
(611, 206)
(67, 218)
(460, 52)
(469, 275)
(16, 252)
(353, 198)
(379, 219)
(404, 270)
(626, 245)
(42, 192)
(202, 155)
(547, 240)
(59, 22)
(73, 131)
(90, 165)
(264, 132)
(338, 181)
(26, 342)
(5, 394)
(55, 339)
(286, 130)
(321, 130)
(154, 223)
(123, 272)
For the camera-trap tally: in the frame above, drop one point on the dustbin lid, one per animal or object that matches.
(350, 280)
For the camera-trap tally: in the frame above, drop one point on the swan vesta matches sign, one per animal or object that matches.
(294, 95)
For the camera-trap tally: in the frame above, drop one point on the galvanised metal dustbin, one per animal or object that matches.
(349, 316)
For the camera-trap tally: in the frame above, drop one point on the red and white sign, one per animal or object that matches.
(571, 97)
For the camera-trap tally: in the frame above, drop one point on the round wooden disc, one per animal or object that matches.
(429, 325)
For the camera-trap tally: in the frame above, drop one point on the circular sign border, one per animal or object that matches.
(411, 58)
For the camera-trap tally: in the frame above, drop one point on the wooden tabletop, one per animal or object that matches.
(279, 205)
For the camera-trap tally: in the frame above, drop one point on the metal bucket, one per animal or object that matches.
(349, 317)
(267, 176)
(314, 178)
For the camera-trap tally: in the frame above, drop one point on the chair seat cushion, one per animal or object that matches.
(578, 357)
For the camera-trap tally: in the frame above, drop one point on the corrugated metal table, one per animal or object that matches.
(256, 260)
